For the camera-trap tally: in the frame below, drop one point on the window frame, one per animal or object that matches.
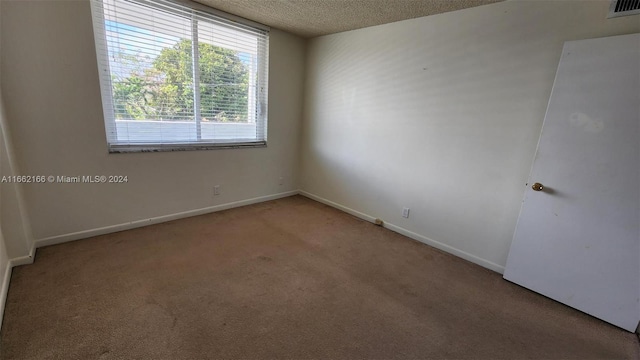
(198, 12)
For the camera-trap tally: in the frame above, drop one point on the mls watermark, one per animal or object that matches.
(65, 179)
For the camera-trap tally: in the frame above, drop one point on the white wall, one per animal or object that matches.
(52, 98)
(442, 115)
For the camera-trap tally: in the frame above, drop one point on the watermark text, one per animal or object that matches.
(65, 179)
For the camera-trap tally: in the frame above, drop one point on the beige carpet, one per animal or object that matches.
(286, 279)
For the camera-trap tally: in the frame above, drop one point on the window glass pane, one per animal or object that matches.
(150, 59)
(227, 59)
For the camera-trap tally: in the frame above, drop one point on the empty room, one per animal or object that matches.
(319, 179)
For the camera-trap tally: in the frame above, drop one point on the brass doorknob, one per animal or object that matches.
(537, 187)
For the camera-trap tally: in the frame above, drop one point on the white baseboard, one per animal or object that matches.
(6, 277)
(444, 247)
(58, 239)
(24, 260)
(423, 239)
(355, 213)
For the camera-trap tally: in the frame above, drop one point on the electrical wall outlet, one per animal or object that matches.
(405, 212)
(281, 180)
(216, 190)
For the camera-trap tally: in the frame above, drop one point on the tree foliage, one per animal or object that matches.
(163, 89)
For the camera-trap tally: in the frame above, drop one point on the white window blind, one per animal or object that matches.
(179, 77)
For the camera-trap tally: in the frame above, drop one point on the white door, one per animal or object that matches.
(578, 239)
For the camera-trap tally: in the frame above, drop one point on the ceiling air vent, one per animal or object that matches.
(624, 8)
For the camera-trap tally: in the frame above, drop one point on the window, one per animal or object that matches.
(174, 77)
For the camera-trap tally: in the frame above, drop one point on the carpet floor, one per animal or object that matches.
(285, 279)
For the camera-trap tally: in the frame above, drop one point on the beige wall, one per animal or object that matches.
(442, 115)
(52, 97)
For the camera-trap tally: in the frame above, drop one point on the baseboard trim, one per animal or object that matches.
(59, 239)
(410, 234)
(4, 290)
(6, 278)
(447, 248)
(24, 260)
(355, 213)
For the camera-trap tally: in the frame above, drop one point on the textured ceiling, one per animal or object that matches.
(310, 18)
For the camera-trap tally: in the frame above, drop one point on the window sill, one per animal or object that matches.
(138, 148)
